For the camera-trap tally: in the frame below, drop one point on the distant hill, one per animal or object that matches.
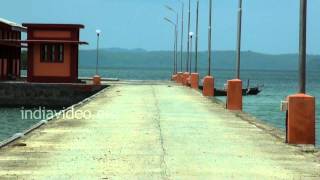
(140, 58)
(124, 58)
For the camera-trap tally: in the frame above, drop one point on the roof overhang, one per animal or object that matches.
(38, 25)
(43, 41)
(14, 26)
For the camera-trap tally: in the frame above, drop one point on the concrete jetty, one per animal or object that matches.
(158, 130)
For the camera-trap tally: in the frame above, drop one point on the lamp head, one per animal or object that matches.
(98, 31)
(191, 34)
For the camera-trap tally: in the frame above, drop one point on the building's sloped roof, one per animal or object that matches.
(15, 26)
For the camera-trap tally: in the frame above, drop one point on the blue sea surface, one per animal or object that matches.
(266, 106)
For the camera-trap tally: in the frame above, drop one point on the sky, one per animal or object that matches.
(269, 26)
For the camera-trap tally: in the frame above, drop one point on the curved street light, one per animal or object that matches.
(191, 34)
(188, 48)
(209, 38)
(197, 36)
(177, 34)
(98, 31)
(239, 39)
(175, 44)
(182, 31)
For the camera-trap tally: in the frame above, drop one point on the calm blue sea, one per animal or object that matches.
(266, 106)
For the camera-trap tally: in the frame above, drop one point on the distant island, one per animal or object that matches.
(126, 58)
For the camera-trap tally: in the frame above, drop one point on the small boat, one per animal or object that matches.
(249, 91)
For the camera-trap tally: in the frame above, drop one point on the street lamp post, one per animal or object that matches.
(195, 75)
(98, 31)
(182, 30)
(234, 88)
(97, 79)
(176, 42)
(186, 75)
(209, 37)
(208, 81)
(300, 118)
(188, 44)
(175, 46)
(180, 76)
(191, 34)
(302, 46)
(175, 38)
(197, 37)
(239, 38)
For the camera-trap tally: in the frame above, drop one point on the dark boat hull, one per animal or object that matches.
(245, 92)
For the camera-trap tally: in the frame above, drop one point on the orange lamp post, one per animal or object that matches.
(208, 81)
(301, 107)
(234, 91)
(194, 79)
(97, 78)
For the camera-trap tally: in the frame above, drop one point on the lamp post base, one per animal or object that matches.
(301, 119)
(96, 80)
(179, 77)
(234, 95)
(185, 78)
(174, 77)
(208, 86)
(194, 80)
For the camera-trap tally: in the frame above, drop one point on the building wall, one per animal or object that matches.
(10, 54)
(51, 69)
(53, 72)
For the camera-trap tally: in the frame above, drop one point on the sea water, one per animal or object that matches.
(276, 85)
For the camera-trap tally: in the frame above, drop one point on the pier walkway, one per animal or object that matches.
(160, 131)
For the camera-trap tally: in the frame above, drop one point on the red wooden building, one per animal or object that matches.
(53, 52)
(10, 49)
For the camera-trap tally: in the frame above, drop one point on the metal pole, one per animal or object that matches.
(302, 46)
(188, 48)
(209, 38)
(176, 39)
(190, 56)
(197, 34)
(175, 43)
(174, 52)
(239, 39)
(190, 53)
(182, 30)
(97, 63)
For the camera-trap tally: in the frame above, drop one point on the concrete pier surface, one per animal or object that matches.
(154, 131)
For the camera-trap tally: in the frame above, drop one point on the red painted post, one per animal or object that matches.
(301, 107)
(179, 77)
(208, 86)
(301, 119)
(234, 95)
(96, 80)
(174, 77)
(194, 80)
(185, 78)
